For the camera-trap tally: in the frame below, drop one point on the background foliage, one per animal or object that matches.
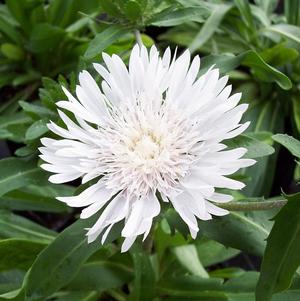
(43, 250)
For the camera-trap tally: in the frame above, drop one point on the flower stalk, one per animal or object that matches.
(138, 37)
(252, 206)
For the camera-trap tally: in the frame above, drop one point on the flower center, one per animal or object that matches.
(146, 148)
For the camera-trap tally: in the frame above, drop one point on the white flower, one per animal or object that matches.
(154, 128)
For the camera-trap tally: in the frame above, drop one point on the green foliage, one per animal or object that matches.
(17, 173)
(104, 39)
(35, 35)
(59, 262)
(43, 248)
(15, 226)
(255, 147)
(292, 144)
(19, 253)
(282, 255)
(144, 278)
(37, 198)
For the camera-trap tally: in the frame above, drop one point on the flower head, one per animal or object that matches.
(154, 128)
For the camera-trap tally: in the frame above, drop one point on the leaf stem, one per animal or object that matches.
(138, 37)
(252, 206)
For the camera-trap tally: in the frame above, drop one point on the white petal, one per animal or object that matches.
(216, 210)
(220, 198)
(92, 209)
(104, 236)
(95, 193)
(144, 208)
(181, 206)
(65, 177)
(128, 242)
(113, 213)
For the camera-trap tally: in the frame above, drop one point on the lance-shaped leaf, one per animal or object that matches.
(103, 40)
(282, 255)
(292, 144)
(59, 263)
(250, 58)
(15, 226)
(17, 173)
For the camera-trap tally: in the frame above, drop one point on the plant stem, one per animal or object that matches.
(138, 37)
(252, 206)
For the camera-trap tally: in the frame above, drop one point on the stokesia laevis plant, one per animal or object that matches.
(152, 129)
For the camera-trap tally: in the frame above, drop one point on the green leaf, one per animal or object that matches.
(244, 283)
(282, 255)
(264, 71)
(37, 129)
(111, 7)
(245, 11)
(287, 31)
(75, 296)
(17, 173)
(10, 280)
(227, 273)
(103, 40)
(26, 78)
(225, 62)
(237, 230)
(292, 11)
(163, 239)
(296, 111)
(10, 31)
(101, 276)
(15, 295)
(6, 79)
(175, 17)
(211, 252)
(235, 289)
(12, 51)
(210, 26)
(289, 142)
(63, 13)
(267, 5)
(14, 226)
(59, 263)
(18, 253)
(188, 257)
(37, 111)
(266, 116)
(59, 11)
(6, 122)
(27, 150)
(45, 37)
(81, 23)
(192, 286)
(260, 15)
(279, 55)
(249, 58)
(241, 231)
(20, 12)
(37, 198)
(256, 148)
(144, 278)
(204, 296)
(132, 9)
